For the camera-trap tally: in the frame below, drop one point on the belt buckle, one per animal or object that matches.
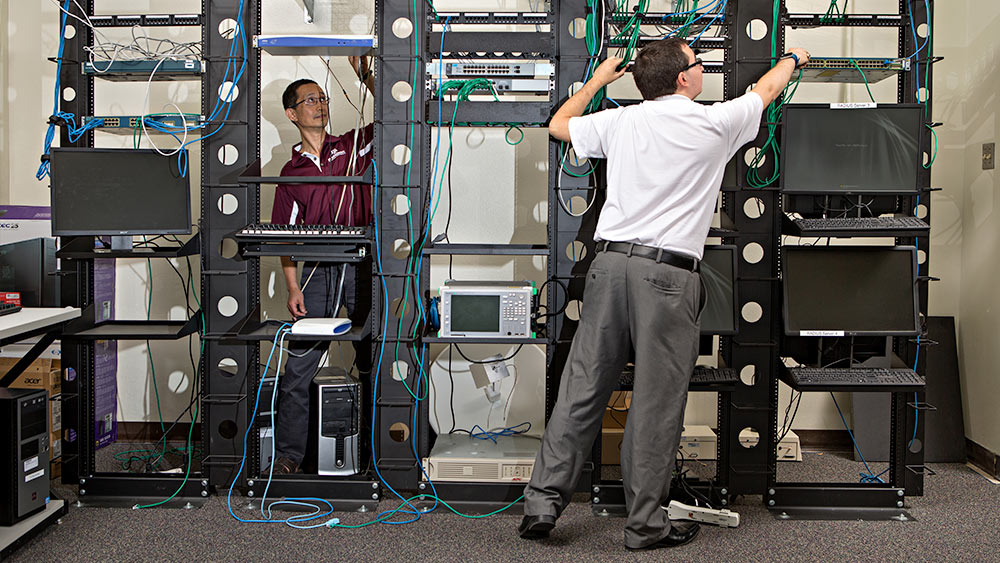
(631, 246)
(659, 255)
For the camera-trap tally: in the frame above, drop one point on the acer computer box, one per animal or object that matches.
(24, 453)
(336, 417)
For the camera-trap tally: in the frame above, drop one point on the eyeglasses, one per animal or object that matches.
(697, 61)
(312, 100)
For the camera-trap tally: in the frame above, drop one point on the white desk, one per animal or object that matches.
(30, 320)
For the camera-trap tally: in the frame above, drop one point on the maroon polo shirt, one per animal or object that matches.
(314, 204)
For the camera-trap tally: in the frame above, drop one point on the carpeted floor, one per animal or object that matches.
(956, 520)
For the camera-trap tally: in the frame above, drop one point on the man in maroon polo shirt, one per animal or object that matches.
(324, 285)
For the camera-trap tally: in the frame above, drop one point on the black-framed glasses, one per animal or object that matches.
(697, 61)
(311, 101)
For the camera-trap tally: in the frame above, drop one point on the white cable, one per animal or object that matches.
(559, 197)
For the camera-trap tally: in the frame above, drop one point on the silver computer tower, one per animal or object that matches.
(337, 416)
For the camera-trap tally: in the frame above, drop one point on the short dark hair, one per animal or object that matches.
(291, 94)
(657, 66)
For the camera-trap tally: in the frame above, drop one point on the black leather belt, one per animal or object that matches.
(656, 254)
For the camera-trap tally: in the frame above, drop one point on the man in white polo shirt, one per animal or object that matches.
(665, 160)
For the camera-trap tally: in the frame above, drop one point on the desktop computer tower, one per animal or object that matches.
(25, 267)
(24, 453)
(336, 416)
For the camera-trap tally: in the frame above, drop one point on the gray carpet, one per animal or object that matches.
(957, 520)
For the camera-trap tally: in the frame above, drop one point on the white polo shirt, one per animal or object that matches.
(666, 158)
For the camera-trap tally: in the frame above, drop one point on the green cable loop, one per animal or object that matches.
(865, 78)
(506, 135)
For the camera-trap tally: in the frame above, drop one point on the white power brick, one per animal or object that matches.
(724, 518)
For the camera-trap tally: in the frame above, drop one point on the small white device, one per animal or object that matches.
(321, 327)
(485, 309)
(724, 518)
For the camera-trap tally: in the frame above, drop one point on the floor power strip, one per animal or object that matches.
(724, 518)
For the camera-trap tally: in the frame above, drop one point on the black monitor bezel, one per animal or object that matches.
(736, 291)
(917, 189)
(829, 249)
(132, 232)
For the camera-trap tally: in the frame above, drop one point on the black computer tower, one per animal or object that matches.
(335, 422)
(24, 453)
(25, 266)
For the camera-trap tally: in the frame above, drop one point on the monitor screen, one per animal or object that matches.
(850, 290)
(118, 192)
(855, 151)
(718, 273)
(475, 313)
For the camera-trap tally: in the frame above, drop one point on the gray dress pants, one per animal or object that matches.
(628, 300)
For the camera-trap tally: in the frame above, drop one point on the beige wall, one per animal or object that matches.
(966, 88)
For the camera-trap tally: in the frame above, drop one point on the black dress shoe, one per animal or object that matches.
(680, 534)
(535, 527)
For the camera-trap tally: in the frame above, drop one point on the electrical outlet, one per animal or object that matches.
(989, 153)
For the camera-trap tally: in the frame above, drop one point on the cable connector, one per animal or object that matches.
(57, 120)
(331, 522)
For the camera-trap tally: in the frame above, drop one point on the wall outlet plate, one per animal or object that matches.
(989, 156)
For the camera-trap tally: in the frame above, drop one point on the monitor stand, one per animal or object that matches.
(123, 243)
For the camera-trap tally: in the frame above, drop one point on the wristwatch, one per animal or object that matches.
(792, 56)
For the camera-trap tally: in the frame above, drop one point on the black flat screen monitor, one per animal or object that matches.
(118, 192)
(850, 290)
(851, 151)
(718, 273)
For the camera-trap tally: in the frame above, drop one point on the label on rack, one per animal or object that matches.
(821, 333)
(865, 105)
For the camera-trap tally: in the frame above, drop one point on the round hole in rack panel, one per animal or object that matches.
(228, 248)
(575, 87)
(228, 306)
(753, 253)
(578, 28)
(228, 204)
(577, 205)
(401, 91)
(70, 31)
(400, 249)
(228, 154)
(399, 432)
(754, 208)
(927, 159)
(228, 367)
(748, 375)
(923, 94)
(756, 29)
(922, 30)
(178, 381)
(576, 251)
(400, 204)
(749, 437)
(752, 312)
(400, 370)
(68, 94)
(402, 28)
(400, 155)
(400, 307)
(574, 309)
(750, 157)
(573, 162)
(229, 91)
(915, 445)
(921, 211)
(228, 429)
(921, 256)
(228, 28)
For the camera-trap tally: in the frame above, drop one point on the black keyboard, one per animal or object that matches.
(701, 376)
(854, 379)
(270, 231)
(879, 226)
(8, 308)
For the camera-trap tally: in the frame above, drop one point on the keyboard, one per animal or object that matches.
(269, 231)
(8, 308)
(701, 376)
(854, 379)
(854, 226)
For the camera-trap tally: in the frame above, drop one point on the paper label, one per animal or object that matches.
(35, 475)
(821, 333)
(859, 105)
(30, 464)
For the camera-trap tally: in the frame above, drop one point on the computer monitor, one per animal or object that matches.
(851, 151)
(718, 273)
(118, 192)
(25, 267)
(850, 290)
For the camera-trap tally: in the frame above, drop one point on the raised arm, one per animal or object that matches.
(775, 80)
(605, 74)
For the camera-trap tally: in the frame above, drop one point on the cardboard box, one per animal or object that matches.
(697, 443)
(616, 413)
(789, 448)
(55, 469)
